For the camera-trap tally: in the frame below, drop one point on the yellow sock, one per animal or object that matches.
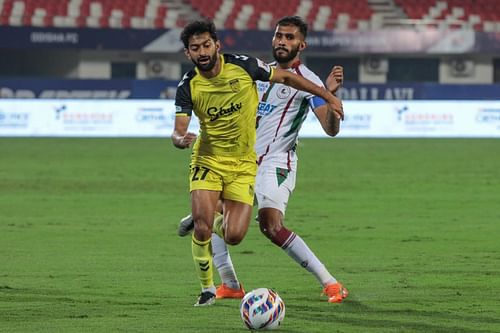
(202, 256)
(218, 227)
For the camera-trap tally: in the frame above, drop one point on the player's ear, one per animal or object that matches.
(217, 46)
(302, 45)
(186, 52)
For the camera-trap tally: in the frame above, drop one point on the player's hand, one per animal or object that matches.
(337, 108)
(187, 140)
(335, 79)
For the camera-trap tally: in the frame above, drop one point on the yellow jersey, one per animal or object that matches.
(225, 105)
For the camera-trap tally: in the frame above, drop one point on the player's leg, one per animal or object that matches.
(238, 196)
(235, 225)
(271, 225)
(206, 185)
(273, 188)
(203, 203)
(236, 221)
(186, 224)
(230, 287)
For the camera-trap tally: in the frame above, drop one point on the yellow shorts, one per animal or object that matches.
(234, 177)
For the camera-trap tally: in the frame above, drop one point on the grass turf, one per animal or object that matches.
(88, 238)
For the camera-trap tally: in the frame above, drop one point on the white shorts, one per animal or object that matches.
(273, 186)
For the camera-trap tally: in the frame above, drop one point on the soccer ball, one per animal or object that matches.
(262, 309)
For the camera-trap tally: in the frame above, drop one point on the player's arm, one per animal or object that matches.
(330, 123)
(328, 120)
(181, 138)
(300, 83)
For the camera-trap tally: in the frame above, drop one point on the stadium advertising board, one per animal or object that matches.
(87, 118)
(436, 119)
(155, 118)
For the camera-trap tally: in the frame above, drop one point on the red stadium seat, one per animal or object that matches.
(486, 10)
(242, 14)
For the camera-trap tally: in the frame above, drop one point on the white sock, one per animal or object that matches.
(222, 261)
(302, 254)
(211, 289)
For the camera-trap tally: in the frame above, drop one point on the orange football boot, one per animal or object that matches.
(223, 291)
(335, 292)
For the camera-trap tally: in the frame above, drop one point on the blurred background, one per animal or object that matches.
(413, 68)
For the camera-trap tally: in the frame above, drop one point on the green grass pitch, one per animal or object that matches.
(411, 226)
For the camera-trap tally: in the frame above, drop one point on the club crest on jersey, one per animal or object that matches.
(235, 85)
(283, 92)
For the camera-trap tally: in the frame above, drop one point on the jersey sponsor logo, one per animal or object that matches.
(235, 85)
(283, 92)
(265, 108)
(215, 113)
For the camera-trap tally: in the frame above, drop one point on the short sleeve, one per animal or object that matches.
(316, 102)
(183, 100)
(256, 68)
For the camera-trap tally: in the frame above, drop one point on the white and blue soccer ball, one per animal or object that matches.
(262, 309)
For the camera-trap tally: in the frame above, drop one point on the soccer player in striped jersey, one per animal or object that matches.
(280, 114)
(221, 91)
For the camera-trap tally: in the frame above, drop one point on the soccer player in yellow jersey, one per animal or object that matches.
(222, 93)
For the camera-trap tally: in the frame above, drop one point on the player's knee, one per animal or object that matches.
(270, 228)
(234, 233)
(266, 231)
(233, 239)
(202, 228)
(271, 225)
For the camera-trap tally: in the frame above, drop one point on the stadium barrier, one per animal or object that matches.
(155, 118)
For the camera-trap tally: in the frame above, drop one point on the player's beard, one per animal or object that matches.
(287, 57)
(208, 66)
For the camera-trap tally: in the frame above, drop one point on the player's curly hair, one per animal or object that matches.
(196, 28)
(295, 21)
